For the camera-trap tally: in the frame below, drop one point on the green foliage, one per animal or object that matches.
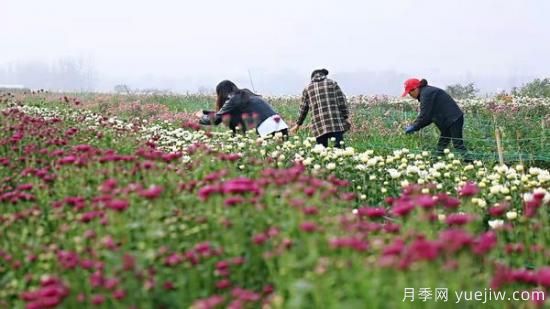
(538, 88)
(459, 91)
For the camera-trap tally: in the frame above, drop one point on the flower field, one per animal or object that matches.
(114, 205)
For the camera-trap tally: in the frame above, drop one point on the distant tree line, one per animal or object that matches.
(67, 74)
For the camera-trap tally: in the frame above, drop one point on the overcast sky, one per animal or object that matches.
(201, 42)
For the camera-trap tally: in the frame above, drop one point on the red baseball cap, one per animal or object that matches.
(410, 85)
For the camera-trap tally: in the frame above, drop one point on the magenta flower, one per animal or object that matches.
(422, 249)
(233, 200)
(498, 210)
(119, 294)
(484, 243)
(223, 284)
(469, 189)
(308, 226)
(117, 205)
(543, 276)
(259, 239)
(208, 303)
(452, 240)
(458, 219)
(67, 160)
(151, 193)
(371, 212)
(97, 299)
(402, 207)
(425, 201)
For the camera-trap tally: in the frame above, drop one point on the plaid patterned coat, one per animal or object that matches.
(328, 105)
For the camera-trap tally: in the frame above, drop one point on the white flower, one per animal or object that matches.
(511, 215)
(494, 224)
(331, 166)
(394, 173)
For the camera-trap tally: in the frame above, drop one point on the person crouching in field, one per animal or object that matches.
(241, 108)
(438, 107)
(329, 108)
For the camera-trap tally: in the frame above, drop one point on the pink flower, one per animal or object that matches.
(173, 259)
(469, 189)
(152, 192)
(208, 303)
(98, 299)
(259, 239)
(108, 185)
(241, 186)
(110, 283)
(119, 294)
(206, 191)
(308, 226)
(108, 242)
(310, 211)
(354, 243)
(395, 248)
(223, 284)
(68, 259)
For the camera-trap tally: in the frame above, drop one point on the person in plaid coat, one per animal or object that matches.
(329, 107)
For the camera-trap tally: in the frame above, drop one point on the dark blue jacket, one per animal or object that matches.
(438, 107)
(246, 113)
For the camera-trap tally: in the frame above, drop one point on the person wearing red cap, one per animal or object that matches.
(438, 107)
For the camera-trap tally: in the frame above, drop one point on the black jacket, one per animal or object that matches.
(438, 107)
(240, 112)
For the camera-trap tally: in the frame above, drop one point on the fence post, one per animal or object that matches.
(499, 146)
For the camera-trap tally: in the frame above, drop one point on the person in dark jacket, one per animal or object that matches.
(436, 106)
(328, 105)
(244, 109)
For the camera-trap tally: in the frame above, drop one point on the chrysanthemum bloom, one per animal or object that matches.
(469, 189)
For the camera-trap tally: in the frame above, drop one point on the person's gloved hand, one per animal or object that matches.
(410, 129)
